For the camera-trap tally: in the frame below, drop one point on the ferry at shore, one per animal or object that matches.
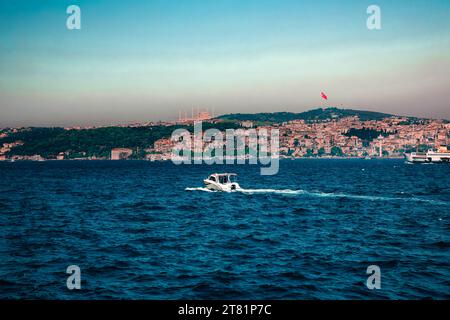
(442, 155)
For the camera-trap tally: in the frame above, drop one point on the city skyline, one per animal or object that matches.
(147, 60)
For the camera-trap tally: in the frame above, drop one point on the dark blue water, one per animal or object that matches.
(136, 233)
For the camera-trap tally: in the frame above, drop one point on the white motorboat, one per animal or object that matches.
(222, 182)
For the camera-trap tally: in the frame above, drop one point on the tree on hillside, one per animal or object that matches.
(336, 151)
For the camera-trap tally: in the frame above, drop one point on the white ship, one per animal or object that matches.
(442, 155)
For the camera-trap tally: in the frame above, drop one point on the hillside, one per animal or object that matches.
(311, 115)
(98, 142)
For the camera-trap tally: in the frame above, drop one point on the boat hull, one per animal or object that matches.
(429, 157)
(225, 187)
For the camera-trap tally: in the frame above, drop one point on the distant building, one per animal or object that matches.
(121, 153)
(199, 115)
(203, 115)
(34, 157)
(247, 124)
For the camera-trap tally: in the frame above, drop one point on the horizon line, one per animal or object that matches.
(389, 115)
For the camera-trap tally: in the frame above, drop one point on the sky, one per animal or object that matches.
(147, 60)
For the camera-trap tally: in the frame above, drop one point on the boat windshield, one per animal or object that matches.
(223, 178)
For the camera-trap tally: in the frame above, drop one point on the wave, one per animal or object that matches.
(324, 194)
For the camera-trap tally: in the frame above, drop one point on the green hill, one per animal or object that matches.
(98, 142)
(319, 114)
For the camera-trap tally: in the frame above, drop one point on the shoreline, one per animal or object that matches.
(164, 160)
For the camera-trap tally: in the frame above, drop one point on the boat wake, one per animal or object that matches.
(323, 194)
(249, 191)
(200, 189)
(278, 191)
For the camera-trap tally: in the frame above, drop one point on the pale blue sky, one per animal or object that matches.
(146, 60)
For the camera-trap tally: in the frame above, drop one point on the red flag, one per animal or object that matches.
(324, 96)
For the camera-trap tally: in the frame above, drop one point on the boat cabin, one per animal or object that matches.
(223, 178)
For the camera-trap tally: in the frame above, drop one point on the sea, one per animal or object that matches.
(149, 230)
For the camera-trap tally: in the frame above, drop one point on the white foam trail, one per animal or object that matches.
(323, 194)
(285, 191)
(251, 191)
(373, 198)
(199, 189)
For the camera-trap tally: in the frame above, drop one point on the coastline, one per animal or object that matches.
(163, 160)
